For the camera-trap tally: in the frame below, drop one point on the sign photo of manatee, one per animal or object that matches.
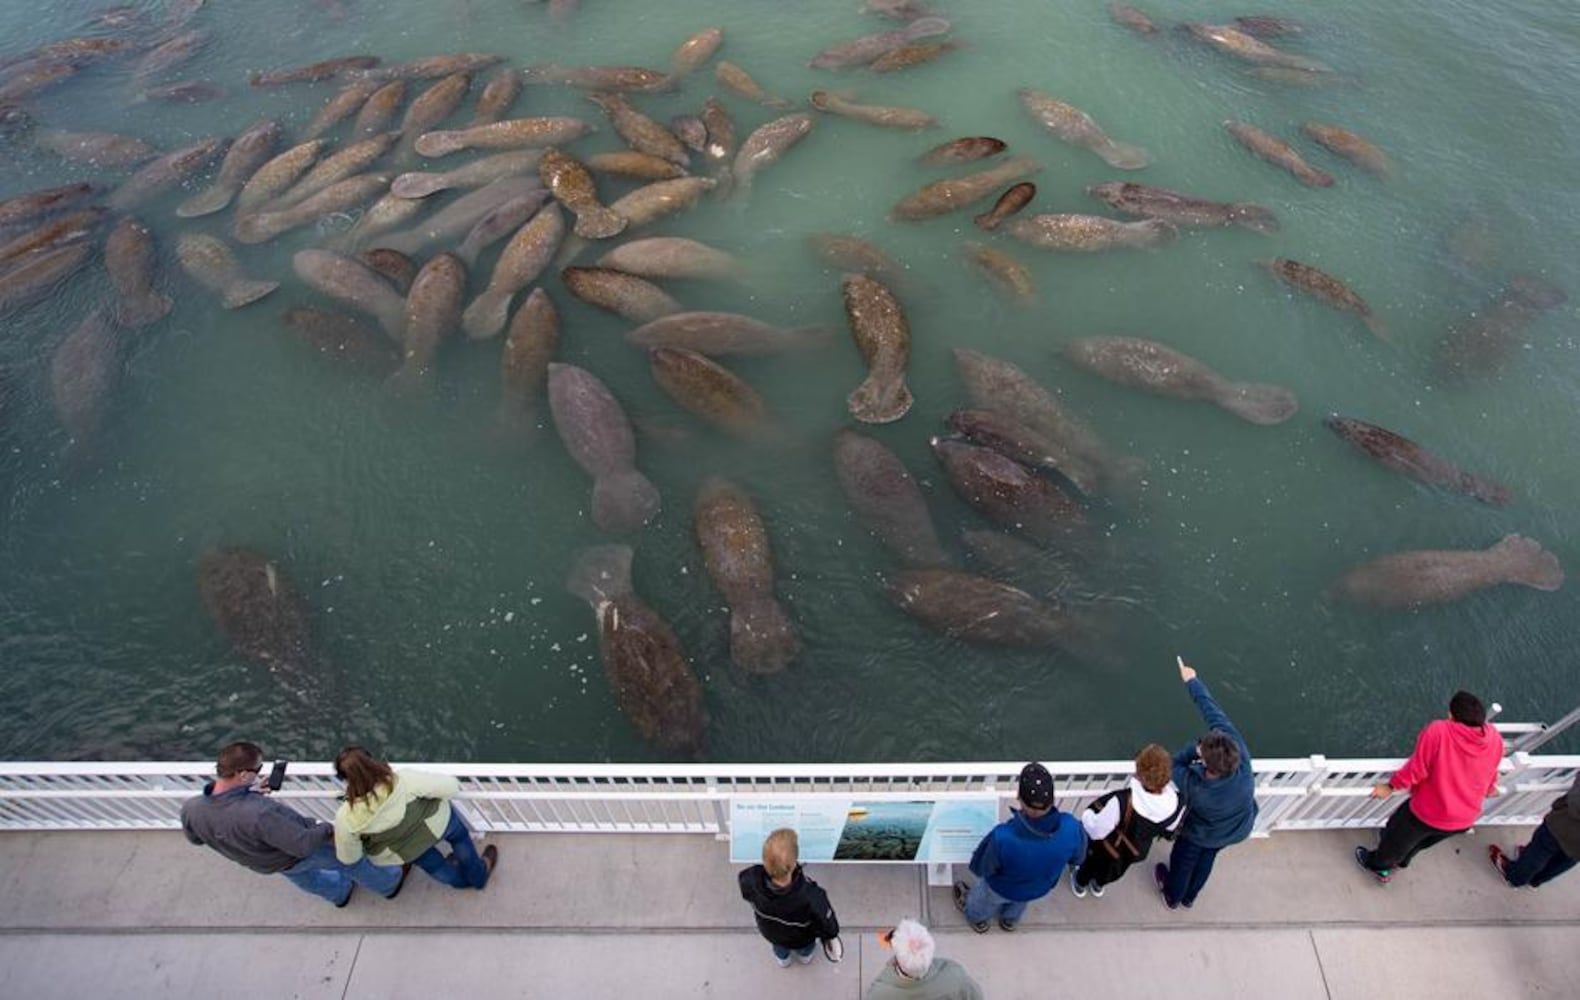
(883, 831)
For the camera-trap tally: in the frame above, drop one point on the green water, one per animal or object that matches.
(433, 558)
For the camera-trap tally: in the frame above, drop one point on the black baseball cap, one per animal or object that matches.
(1036, 786)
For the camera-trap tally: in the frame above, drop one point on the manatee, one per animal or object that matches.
(344, 341)
(863, 50)
(1130, 17)
(434, 67)
(953, 193)
(671, 257)
(853, 254)
(386, 215)
(38, 274)
(332, 169)
(715, 333)
(512, 133)
(914, 54)
(1076, 127)
(1157, 368)
(498, 97)
(97, 149)
(652, 681)
(885, 497)
(131, 261)
(432, 314)
(872, 114)
(1406, 457)
(182, 92)
(721, 146)
(712, 392)
(878, 324)
(163, 173)
(477, 173)
(735, 551)
(639, 131)
(391, 265)
(256, 608)
(73, 227)
(347, 102)
(1242, 46)
(341, 196)
(1088, 233)
(1348, 145)
(246, 155)
(521, 262)
(1182, 209)
(1009, 494)
(625, 295)
(1006, 274)
(212, 264)
(169, 54)
(31, 82)
(378, 111)
(1081, 456)
(1406, 580)
(695, 51)
(635, 165)
(630, 79)
(1483, 343)
(35, 205)
(354, 283)
(652, 202)
(277, 176)
(453, 221)
(431, 107)
(84, 376)
(1014, 198)
(1278, 153)
(1325, 288)
(597, 433)
(573, 186)
(976, 609)
(739, 82)
(530, 344)
(326, 69)
(498, 224)
(971, 147)
(766, 145)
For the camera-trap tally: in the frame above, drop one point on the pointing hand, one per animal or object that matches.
(1186, 673)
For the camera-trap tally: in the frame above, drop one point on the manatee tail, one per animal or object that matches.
(1257, 403)
(762, 638)
(1378, 328)
(880, 400)
(143, 311)
(206, 202)
(601, 573)
(487, 314)
(1151, 233)
(433, 144)
(624, 501)
(1524, 561)
(1255, 218)
(418, 184)
(1124, 156)
(246, 291)
(1485, 490)
(258, 227)
(600, 223)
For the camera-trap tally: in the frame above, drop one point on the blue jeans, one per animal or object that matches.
(323, 875)
(1540, 861)
(783, 954)
(983, 904)
(461, 868)
(1190, 864)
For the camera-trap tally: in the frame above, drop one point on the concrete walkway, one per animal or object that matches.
(107, 915)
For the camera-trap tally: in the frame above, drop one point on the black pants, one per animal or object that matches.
(1403, 838)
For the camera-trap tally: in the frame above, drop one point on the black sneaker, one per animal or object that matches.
(342, 904)
(1382, 877)
(1160, 877)
(1007, 925)
(405, 870)
(960, 890)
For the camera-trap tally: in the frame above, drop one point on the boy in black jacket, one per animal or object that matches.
(792, 911)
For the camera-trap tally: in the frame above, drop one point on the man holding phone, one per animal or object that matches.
(236, 817)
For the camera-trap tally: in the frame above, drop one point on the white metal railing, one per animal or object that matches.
(1300, 793)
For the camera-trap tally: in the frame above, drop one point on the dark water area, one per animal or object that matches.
(430, 553)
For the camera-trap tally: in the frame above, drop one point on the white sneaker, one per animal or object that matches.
(834, 950)
(1097, 889)
(783, 963)
(805, 959)
(1076, 887)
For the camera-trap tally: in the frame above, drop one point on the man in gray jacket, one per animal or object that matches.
(236, 817)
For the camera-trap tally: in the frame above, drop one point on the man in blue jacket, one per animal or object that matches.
(1023, 857)
(1219, 791)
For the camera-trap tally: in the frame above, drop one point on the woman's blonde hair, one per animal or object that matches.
(363, 773)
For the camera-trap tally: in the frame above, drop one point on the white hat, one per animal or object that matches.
(913, 948)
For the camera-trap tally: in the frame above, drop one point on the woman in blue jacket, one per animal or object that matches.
(1219, 791)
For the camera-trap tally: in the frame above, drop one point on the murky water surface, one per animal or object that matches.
(433, 555)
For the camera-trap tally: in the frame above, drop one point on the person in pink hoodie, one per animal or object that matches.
(1454, 767)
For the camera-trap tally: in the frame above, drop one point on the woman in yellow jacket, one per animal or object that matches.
(399, 817)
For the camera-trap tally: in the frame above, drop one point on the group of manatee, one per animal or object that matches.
(408, 276)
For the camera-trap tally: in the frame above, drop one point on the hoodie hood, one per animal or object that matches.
(1158, 807)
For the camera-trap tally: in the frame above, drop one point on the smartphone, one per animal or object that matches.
(277, 776)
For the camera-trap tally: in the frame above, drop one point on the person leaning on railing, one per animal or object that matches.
(399, 817)
(1215, 781)
(235, 817)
